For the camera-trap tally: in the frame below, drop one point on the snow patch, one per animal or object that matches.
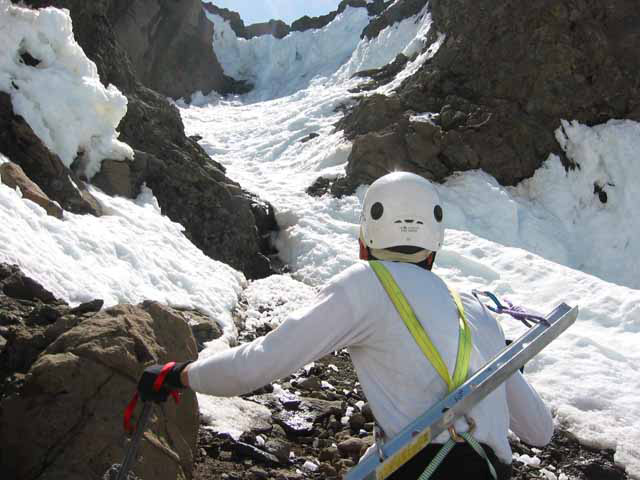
(558, 214)
(271, 300)
(604, 235)
(279, 67)
(527, 460)
(61, 97)
(131, 254)
(233, 415)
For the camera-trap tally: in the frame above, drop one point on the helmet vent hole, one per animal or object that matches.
(420, 223)
(398, 221)
(408, 221)
(437, 213)
(377, 210)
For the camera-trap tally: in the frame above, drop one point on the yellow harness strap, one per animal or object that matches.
(420, 335)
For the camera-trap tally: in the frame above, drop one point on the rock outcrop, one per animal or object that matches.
(277, 28)
(498, 87)
(21, 145)
(308, 23)
(392, 13)
(67, 374)
(14, 177)
(218, 215)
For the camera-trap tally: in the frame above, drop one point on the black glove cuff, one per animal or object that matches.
(172, 379)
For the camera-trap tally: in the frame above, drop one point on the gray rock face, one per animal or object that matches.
(167, 44)
(66, 377)
(170, 46)
(499, 86)
(218, 215)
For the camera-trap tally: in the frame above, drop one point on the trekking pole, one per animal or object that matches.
(132, 449)
(121, 472)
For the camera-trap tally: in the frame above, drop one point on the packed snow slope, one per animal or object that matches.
(550, 239)
(130, 254)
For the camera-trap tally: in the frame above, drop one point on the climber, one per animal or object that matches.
(400, 233)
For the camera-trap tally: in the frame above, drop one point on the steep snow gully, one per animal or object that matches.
(549, 239)
(558, 236)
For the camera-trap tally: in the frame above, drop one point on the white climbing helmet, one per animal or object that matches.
(402, 209)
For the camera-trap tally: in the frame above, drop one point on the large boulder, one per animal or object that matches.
(61, 414)
(23, 147)
(498, 87)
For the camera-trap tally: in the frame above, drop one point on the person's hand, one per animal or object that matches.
(158, 381)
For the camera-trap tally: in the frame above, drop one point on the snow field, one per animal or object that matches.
(61, 98)
(588, 376)
(233, 415)
(281, 67)
(554, 233)
(131, 254)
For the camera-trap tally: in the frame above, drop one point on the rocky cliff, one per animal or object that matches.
(226, 222)
(505, 76)
(169, 46)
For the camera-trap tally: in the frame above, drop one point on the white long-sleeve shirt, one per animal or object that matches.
(354, 311)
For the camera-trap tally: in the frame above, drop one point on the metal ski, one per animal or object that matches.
(413, 438)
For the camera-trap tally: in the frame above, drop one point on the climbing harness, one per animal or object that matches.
(397, 451)
(431, 352)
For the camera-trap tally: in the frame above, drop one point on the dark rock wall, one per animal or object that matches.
(506, 75)
(168, 43)
(191, 188)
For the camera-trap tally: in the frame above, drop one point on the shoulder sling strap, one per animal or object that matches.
(420, 335)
